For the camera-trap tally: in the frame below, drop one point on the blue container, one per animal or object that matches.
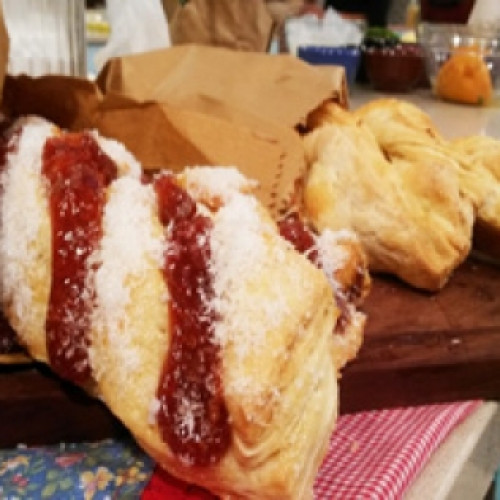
(347, 56)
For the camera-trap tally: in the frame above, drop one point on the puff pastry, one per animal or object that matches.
(404, 130)
(481, 156)
(404, 200)
(25, 231)
(202, 328)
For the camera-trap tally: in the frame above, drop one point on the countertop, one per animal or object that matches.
(453, 120)
(463, 466)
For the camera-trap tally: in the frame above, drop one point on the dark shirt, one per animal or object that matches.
(375, 11)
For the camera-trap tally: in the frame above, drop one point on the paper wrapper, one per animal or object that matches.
(195, 105)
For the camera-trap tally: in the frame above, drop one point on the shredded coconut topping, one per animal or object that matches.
(217, 182)
(245, 247)
(128, 248)
(23, 206)
(125, 161)
(332, 256)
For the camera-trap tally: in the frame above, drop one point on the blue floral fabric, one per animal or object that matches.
(89, 471)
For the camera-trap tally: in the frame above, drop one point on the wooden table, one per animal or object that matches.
(422, 348)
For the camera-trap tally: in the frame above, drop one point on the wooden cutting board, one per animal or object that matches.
(425, 348)
(419, 348)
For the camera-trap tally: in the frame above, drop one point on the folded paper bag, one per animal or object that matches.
(213, 80)
(162, 135)
(180, 106)
(168, 136)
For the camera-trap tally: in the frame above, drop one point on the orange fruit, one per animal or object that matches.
(465, 78)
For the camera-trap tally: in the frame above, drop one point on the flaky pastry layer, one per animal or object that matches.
(403, 199)
(276, 316)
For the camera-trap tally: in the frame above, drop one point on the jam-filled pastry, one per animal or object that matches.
(340, 255)
(184, 306)
(411, 215)
(50, 211)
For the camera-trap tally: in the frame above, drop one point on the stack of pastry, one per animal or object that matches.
(215, 334)
(413, 198)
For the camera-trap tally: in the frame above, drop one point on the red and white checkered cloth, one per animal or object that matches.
(373, 455)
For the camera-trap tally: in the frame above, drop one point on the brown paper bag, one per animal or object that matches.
(181, 107)
(164, 136)
(237, 24)
(280, 88)
(167, 136)
(254, 100)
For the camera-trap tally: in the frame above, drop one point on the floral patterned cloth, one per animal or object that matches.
(89, 471)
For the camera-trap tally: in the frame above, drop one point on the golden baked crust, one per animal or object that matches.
(400, 126)
(403, 200)
(403, 129)
(481, 156)
(395, 120)
(276, 320)
(351, 283)
(266, 386)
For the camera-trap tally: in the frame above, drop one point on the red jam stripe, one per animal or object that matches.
(294, 230)
(193, 417)
(78, 173)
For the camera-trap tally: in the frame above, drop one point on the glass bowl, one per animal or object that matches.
(462, 62)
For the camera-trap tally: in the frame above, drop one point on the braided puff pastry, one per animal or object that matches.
(407, 209)
(179, 303)
(404, 131)
(481, 154)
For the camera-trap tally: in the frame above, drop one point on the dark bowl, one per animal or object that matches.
(399, 68)
(348, 56)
